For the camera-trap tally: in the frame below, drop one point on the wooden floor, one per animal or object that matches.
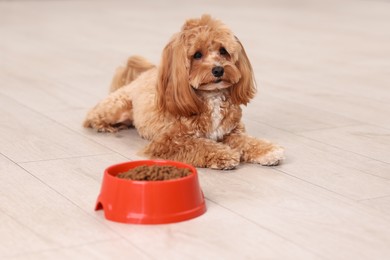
(323, 73)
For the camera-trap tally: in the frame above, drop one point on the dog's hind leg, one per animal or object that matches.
(111, 114)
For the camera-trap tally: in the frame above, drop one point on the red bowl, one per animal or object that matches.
(150, 202)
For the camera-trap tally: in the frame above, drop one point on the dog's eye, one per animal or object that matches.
(197, 55)
(223, 51)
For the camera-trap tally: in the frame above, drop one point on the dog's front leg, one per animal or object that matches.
(254, 150)
(199, 152)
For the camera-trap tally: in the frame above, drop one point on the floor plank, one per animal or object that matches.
(29, 136)
(336, 170)
(366, 140)
(279, 203)
(114, 249)
(45, 219)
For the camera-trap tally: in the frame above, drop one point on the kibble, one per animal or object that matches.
(154, 173)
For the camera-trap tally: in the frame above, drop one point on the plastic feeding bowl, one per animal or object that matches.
(150, 202)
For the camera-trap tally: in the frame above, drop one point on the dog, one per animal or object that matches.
(189, 106)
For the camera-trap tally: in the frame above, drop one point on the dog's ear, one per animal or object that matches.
(245, 89)
(174, 93)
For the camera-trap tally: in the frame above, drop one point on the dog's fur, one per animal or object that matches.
(187, 111)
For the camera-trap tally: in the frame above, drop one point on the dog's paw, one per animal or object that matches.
(101, 127)
(271, 158)
(107, 129)
(225, 160)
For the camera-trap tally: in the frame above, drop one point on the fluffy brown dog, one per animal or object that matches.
(189, 106)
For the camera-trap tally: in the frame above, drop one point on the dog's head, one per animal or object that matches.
(204, 56)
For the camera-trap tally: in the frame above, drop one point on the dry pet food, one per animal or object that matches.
(154, 173)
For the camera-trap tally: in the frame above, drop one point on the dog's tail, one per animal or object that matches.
(134, 67)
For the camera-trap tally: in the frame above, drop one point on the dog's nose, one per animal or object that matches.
(217, 71)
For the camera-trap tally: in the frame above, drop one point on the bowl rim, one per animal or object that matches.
(148, 163)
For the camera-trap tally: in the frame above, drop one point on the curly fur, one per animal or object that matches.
(187, 112)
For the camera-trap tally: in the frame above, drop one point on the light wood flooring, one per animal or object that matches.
(323, 74)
